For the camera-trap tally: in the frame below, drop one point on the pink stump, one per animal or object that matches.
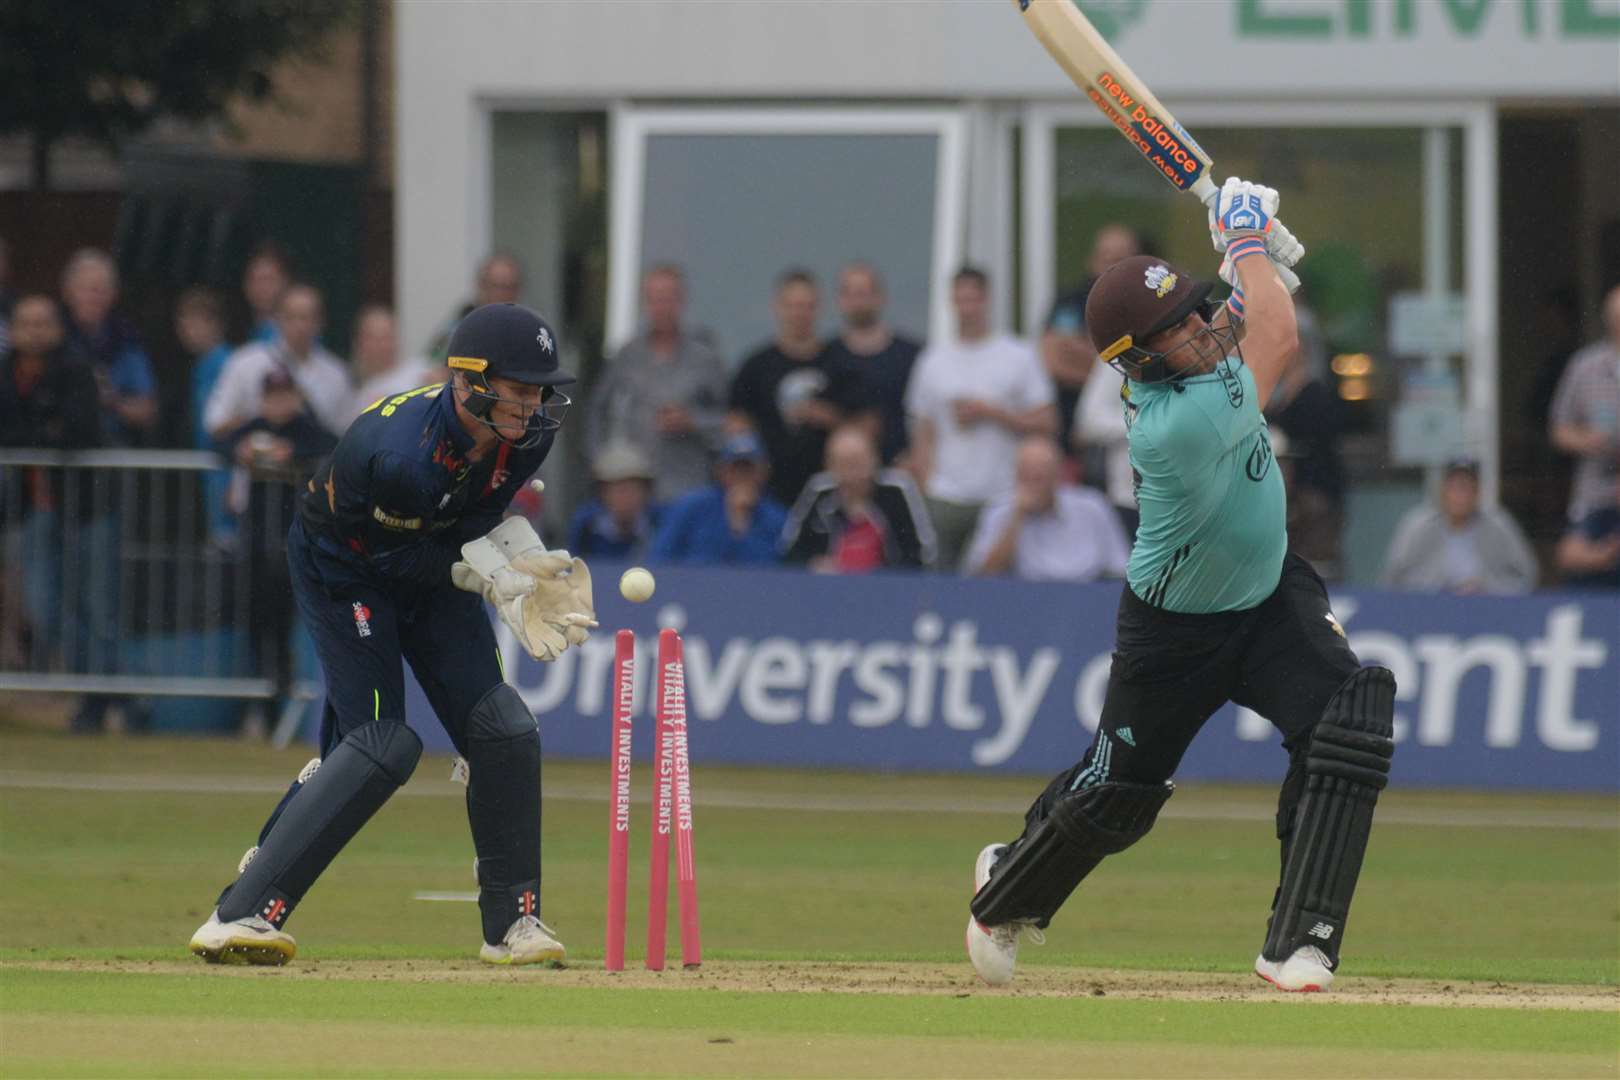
(624, 683)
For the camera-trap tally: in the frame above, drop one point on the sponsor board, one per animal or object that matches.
(929, 673)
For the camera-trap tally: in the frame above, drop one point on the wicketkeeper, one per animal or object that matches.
(1216, 610)
(397, 544)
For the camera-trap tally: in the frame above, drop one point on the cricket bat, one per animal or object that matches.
(1115, 89)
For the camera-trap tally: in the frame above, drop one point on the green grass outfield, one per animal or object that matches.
(1485, 940)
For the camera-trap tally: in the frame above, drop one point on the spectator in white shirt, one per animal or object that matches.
(1045, 530)
(322, 378)
(969, 403)
(377, 363)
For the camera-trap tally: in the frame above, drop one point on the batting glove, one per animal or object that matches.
(1242, 209)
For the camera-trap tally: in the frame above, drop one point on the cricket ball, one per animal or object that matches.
(636, 585)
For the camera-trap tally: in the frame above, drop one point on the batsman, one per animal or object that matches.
(398, 541)
(1216, 609)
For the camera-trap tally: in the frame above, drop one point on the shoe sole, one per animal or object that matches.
(246, 951)
(1308, 988)
(552, 957)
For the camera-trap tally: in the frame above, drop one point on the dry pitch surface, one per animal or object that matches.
(953, 980)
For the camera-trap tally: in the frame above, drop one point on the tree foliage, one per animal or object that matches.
(108, 69)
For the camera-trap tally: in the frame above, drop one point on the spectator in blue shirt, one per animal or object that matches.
(199, 323)
(620, 522)
(110, 342)
(734, 521)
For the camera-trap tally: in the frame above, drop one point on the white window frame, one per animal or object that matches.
(630, 126)
(1480, 196)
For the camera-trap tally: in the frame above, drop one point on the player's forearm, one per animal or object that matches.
(1271, 330)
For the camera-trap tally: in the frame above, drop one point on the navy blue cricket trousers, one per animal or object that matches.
(364, 627)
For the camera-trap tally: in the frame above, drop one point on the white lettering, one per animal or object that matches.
(710, 687)
(595, 672)
(828, 659)
(960, 659)
(777, 665)
(1018, 700)
(920, 694)
(873, 677)
(1447, 661)
(1561, 653)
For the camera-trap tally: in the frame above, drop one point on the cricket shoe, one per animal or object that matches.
(242, 941)
(994, 949)
(1305, 972)
(528, 941)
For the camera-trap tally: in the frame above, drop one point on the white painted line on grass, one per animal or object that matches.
(733, 799)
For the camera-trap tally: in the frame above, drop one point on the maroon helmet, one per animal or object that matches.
(1135, 299)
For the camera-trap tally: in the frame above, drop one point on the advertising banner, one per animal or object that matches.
(898, 673)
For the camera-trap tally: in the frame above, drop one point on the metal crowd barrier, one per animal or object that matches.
(123, 574)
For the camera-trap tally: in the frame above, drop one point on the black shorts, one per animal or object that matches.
(1284, 659)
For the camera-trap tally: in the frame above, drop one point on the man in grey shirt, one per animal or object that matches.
(1585, 416)
(665, 391)
(1456, 545)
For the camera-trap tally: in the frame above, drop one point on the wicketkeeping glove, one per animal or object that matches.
(543, 596)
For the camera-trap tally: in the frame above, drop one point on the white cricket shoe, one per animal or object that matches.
(1305, 972)
(994, 949)
(243, 941)
(528, 941)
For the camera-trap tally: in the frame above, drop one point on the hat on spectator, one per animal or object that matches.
(621, 461)
(743, 446)
(1462, 464)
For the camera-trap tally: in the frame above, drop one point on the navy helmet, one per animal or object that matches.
(509, 341)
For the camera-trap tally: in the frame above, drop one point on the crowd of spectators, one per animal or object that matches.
(981, 454)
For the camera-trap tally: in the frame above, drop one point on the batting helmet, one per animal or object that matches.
(1133, 300)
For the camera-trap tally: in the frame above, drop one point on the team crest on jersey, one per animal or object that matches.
(1161, 279)
(1259, 458)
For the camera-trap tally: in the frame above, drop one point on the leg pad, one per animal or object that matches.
(1039, 871)
(1346, 766)
(356, 778)
(503, 808)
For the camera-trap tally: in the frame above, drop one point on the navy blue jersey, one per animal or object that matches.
(399, 494)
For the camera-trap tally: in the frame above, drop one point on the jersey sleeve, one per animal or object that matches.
(401, 499)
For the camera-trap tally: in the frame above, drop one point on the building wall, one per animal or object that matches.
(458, 60)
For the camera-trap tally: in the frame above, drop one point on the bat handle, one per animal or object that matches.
(1206, 190)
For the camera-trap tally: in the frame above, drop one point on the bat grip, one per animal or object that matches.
(1206, 190)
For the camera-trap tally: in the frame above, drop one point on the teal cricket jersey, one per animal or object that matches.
(1213, 530)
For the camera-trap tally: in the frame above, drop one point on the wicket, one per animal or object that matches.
(672, 806)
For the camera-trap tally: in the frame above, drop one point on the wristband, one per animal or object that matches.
(1234, 303)
(1244, 247)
